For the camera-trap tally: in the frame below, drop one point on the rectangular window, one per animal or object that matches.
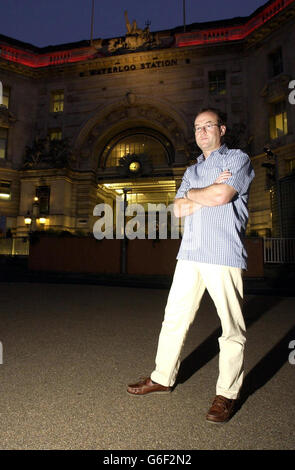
(291, 166)
(5, 190)
(43, 195)
(275, 60)
(3, 141)
(55, 134)
(2, 225)
(5, 96)
(217, 82)
(57, 101)
(278, 124)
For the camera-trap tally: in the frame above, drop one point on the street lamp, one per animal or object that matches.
(28, 223)
(28, 219)
(31, 216)
(124, 241)
(272, 156)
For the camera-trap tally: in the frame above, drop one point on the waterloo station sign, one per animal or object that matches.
(129, 68)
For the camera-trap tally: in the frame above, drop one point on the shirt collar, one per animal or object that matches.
(222, 150)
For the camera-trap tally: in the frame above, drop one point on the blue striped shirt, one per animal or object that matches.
(214, 235)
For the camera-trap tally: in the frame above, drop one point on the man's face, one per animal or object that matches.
(208, 139)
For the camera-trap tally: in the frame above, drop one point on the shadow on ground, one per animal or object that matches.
(254, 309)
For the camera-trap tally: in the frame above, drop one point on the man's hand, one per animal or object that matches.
(223, 177)
(216, 194)
(183, 206)
(186, 206)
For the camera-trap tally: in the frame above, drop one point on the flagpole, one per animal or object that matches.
(183, 2)
(92, 22)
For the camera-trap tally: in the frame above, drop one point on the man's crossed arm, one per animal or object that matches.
(216, 194)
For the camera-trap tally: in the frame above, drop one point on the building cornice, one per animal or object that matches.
(127, 63)
(250, 29)
(242, 30)
(280, 149)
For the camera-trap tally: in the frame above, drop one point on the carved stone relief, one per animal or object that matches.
(6, 117)
(134, 110)
(276, 88)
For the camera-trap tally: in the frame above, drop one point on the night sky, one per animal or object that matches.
(50, 22)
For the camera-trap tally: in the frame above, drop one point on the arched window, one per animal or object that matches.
(139, 142)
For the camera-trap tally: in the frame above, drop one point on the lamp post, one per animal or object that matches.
(124, 240)
(32, 216)
(28, 221)
(272, 156)
(92, 23)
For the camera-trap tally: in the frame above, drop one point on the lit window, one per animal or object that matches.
(5, 96)
(3, 141)
(291, 165)
(278, 124)
(57, 101)
(217, 82)
(138, 144)
(275, 62)
(2, 225)
(55, 134)
(5, 190)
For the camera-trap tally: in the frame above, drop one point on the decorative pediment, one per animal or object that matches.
(276, 88)
(45, 153)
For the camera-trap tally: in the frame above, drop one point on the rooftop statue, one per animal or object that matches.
(131, 28)
(135, 38)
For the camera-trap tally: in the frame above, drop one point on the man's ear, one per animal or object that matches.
(222, 130)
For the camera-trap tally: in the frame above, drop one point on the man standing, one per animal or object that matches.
(213, 198)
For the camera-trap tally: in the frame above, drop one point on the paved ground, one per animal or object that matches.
(70, 349)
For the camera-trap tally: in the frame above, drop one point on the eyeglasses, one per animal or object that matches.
(207, 127)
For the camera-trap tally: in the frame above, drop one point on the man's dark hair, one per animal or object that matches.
(221, 117)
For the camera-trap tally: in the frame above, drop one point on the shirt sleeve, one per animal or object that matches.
(240, 166)
(184, 187)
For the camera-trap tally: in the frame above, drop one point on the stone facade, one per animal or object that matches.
(144, 88)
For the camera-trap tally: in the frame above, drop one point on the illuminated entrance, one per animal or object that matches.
(139, 159)
(149, 190)
(152, 195)
(138, 162)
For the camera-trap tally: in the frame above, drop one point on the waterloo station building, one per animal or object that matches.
(81, 122)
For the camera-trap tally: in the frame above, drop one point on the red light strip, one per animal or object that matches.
(232, 33)
(35, 60)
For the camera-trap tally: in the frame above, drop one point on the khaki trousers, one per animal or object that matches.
(225, 287)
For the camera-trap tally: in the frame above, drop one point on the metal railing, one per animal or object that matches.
(14, 246)
(279, 250)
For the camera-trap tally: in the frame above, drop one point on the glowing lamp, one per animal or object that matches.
(28, 219)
